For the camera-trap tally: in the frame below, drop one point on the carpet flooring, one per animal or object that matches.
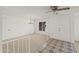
(58, 46)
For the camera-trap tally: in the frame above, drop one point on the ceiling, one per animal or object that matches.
(36, 11)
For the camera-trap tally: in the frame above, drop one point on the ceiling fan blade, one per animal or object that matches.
(63, 9)
(54, 7)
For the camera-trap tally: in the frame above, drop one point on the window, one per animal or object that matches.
(42, 26)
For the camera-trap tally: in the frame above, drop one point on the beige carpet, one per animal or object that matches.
(0, 47)
(77, 46)
(58, 46)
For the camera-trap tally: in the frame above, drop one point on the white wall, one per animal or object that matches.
(15, 20)
(0, 23)
(76, 23)
(14, 26)
(0, 28)
(59, 27)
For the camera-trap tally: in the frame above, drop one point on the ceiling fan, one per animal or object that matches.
(56, 8)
